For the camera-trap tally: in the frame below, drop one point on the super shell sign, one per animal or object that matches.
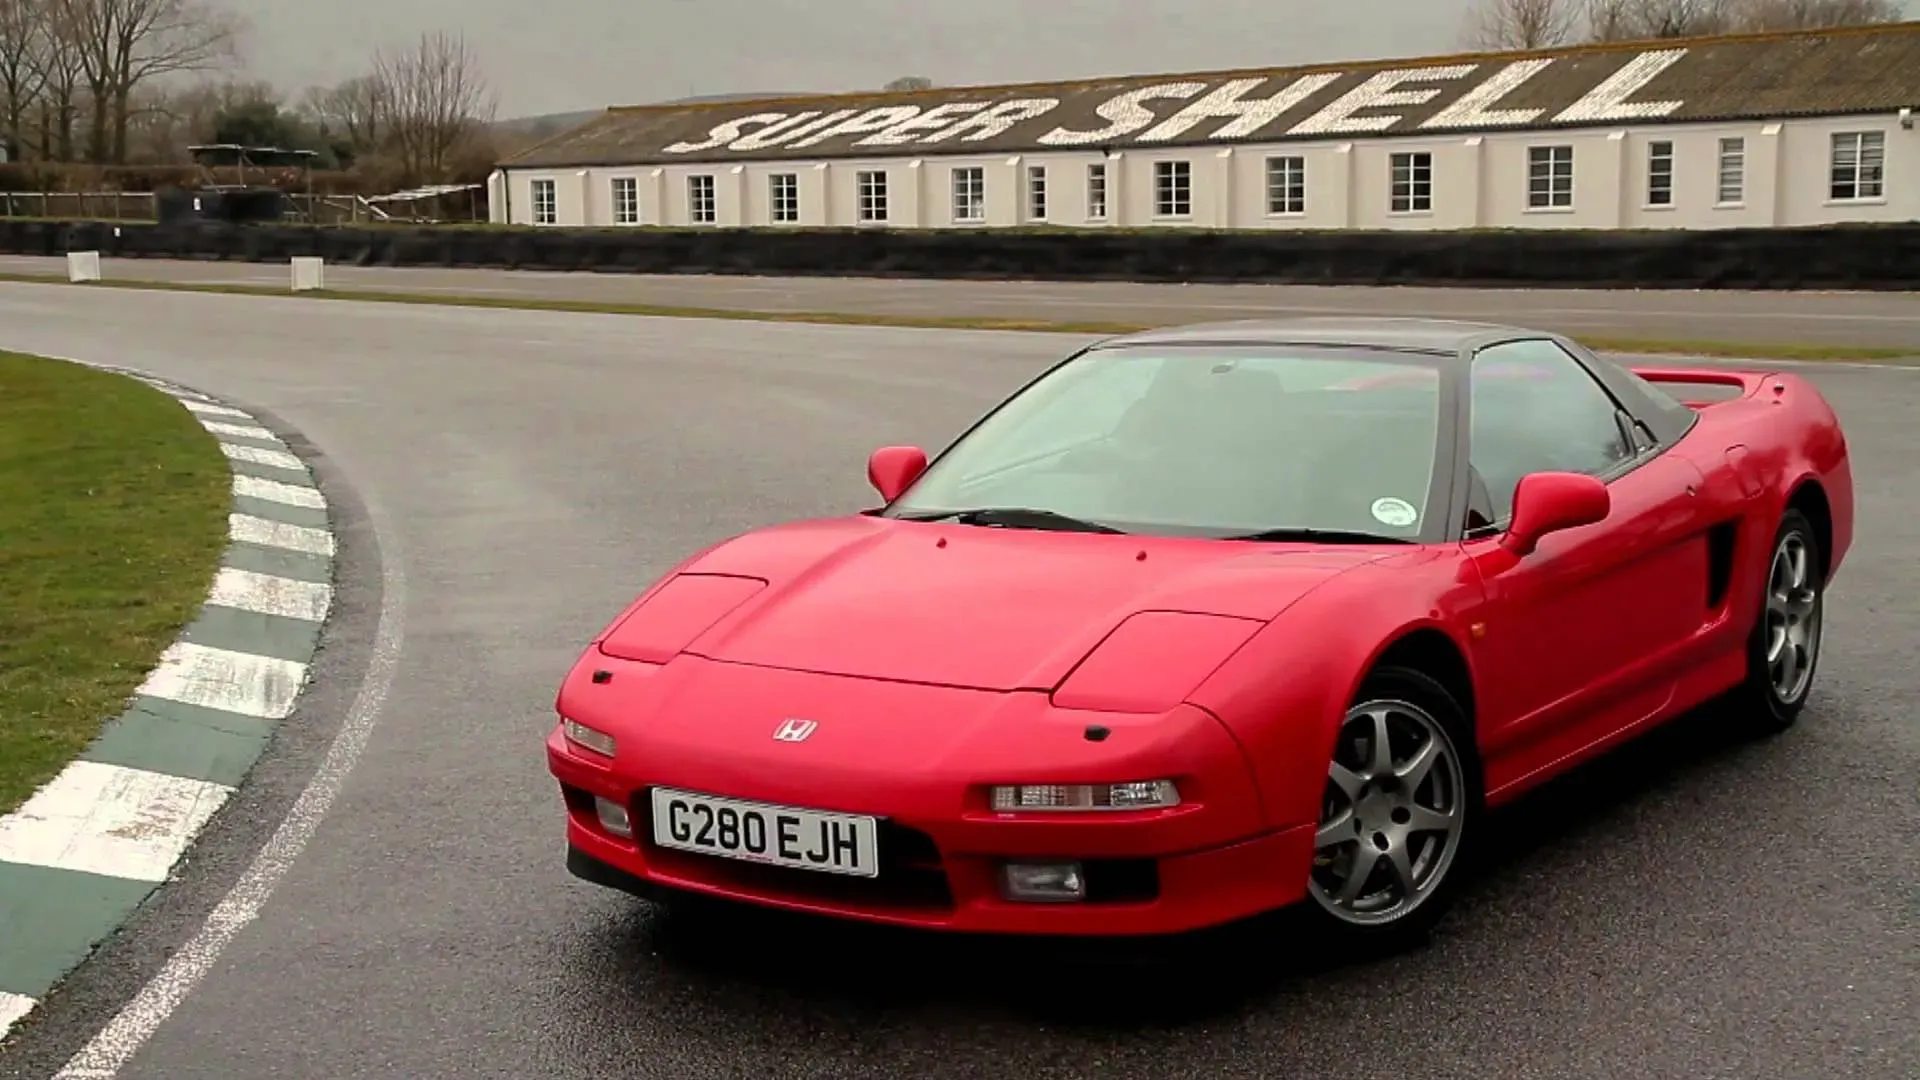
(1450, 97)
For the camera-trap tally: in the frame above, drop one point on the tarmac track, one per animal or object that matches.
(1692, 908)
(1863, 320)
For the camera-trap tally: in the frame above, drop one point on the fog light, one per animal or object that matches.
(613, 817)
(587, 738)
(1043, 883)
(1141, 795)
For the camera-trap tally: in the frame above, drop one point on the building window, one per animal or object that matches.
(1660, 173)
(626, 200)
(1859, 164)
(545, 210)
(1037, 192)
(1549, 177)
(1286, 185)
(872, 184)
(1412, 187)
(1173, 188)
(1733, 172)
(700, 201)
(970, 194)
(1097, 192)
(783, 198)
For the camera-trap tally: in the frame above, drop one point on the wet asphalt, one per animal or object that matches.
(1692, 908)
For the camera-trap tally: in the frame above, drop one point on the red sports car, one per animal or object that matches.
(1209, 622)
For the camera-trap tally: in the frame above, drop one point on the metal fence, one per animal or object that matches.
(138, 206)
(85, 205)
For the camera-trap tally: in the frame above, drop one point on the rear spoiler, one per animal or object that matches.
(1705, 385)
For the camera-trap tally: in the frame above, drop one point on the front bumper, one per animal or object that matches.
(1210, 861)
(1197, 891)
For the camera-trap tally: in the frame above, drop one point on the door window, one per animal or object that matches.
(1533, 408)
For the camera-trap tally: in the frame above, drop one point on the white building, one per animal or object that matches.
(1764, 130)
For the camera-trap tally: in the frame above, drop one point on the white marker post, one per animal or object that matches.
(83, 266)
(309, 273)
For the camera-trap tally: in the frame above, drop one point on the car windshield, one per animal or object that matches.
(1192, 440)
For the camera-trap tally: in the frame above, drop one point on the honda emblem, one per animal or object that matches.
(794, 730)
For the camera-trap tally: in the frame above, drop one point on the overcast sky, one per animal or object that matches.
(560, 55)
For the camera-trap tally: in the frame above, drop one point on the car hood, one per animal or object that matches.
(983, 608)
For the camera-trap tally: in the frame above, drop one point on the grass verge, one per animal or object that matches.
(1601, 343)
(113, 517)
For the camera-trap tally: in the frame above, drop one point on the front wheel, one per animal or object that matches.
(1401, 806)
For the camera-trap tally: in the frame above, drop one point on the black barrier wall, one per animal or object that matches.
(180, 206)
(1832, 257)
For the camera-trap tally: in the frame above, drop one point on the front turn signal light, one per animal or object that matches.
(586, 738)
(1135, 795)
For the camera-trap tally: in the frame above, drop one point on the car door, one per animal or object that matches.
(1571, 636)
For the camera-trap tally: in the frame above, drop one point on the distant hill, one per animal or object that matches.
(706, 99)
(546, 124)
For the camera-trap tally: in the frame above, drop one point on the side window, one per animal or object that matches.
(1662, 401)
(1534, 409)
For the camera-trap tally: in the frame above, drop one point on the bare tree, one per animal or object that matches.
(438, 103)
(1520, 24)
(354, 112)
(1633, 20)
(1761, 15)
(908, 82)
(1640, 20)
(59, 70)
(23, 45)
(164, 121)
(170, 117)
(1650, 20)
(125, 44)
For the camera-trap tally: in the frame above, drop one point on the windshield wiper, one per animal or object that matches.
(1322, 536)
(1016, 517)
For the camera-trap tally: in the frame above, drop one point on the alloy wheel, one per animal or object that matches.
(1792, 619)
(1392, 816)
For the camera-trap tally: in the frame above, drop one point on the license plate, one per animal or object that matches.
(772, 835)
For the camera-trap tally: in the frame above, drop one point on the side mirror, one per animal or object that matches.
(1549, 502)
(891, 468)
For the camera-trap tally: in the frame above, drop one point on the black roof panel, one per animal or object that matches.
(1358, 331)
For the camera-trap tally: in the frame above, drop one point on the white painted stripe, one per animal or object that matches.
(240, 431)
(110, 820)
(279, 459)
(213, 410)
(244, 683)
(248, 529)
(269, 594)
(13, 1009)
(253, 487)
(115, 1045)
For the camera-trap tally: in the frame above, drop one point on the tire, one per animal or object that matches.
(1767, 702)
(1384, 915)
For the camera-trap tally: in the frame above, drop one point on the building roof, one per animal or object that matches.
(1751, 77)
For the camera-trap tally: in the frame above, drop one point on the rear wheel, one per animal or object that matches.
(1783, 649)
(1400, 809)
